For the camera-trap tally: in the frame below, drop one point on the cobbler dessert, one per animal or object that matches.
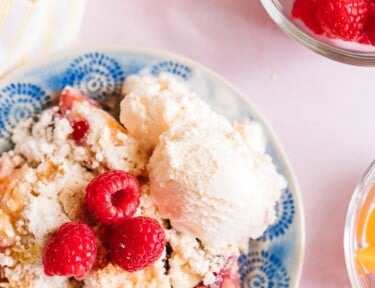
(166, 196)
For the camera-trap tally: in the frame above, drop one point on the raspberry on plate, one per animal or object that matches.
(71, 252)
(80, 131)
(113, 196)
(136, 243)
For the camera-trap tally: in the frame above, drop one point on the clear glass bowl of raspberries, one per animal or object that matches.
(342, 30)
(359, 235)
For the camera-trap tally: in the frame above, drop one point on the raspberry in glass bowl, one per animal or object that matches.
(342, 30)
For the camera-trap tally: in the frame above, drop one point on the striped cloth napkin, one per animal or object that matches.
(33, 28)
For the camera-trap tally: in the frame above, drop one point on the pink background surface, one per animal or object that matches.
(322, 111)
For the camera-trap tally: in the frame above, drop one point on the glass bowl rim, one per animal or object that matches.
(347, 56)
(350, 221)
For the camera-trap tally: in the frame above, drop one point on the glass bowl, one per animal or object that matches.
(361, 205)
(346, 52)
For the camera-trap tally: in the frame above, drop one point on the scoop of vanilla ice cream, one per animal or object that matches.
(211, 184)
(210, 178)
(253, 135)
(153, 104)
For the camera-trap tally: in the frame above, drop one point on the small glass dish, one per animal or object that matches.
(345, 52)
(361, 205)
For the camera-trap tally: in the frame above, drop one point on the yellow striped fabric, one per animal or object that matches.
(33, 28)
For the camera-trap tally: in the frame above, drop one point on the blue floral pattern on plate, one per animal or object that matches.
(19, 101)
(285, 211)
(261, 269)
(275, 258)
(172, 67)
(95, 74)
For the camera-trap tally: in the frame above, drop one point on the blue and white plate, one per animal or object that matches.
(275, 259)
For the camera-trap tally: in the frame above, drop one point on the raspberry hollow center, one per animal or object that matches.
(113, 196)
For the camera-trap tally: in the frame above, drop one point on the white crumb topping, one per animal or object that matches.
(6, 261)
(147, 206)
(71, 196)
(7, 233)
(45, 138)
(32, 275)
(191, 262)
(113, 277)
(44, 205)
(109, 143)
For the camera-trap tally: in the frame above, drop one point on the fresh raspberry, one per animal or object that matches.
(136, 243)
(71, 252)
(306, 11)
(343, 19)
(80, 131)
(113, 196)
